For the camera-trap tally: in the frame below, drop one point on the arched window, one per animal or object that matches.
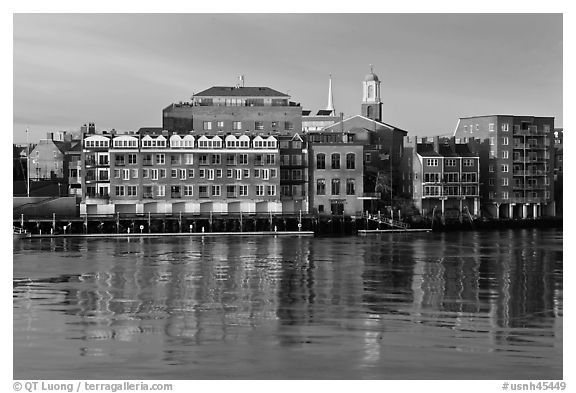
(350, 161)
(370, 91)
(321, 161)
(335, 160)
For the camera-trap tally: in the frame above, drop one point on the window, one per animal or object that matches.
(243, 190)
(117, 173)
(432, 162)
(243, 159)
(367, 157)
(469, 177)
(505, 141)
(125, 174)
(207, 125)
(265, 174)
(119, 161)
(175, 159)
(132, 190)
(504, 127)
(210, 174)
(238, 174)
(216, 190)
(202, 173)
(335, 160)
(296, 159)
(259, 190)
(289, 126)
(504, 167)
(491, 141)
(296, 145)
(216, 159)
(174, 173)
(203, 191)
(270, 159)
(468, 162)
(504, 154)
(134, 173)
(219, 173)
(335, 189)
(161, 190)
(321, 161)
(132, 159)
(491, 127)
(190, 173)
(431, 178)
(188, 190)
(229, 173)
(182, 174)
(271, 190)
(350, 161)
(203, 159)
(160, 159)
(230, 159)
(451, 177)
(505, 195)
(147, 193)
(505, 181)
(175, 192)
(320, 187)
(274, 124)
(296, 174)
(350, 187)
(450, 162)
(220, 124)
(246, 173)
(154, 174)
(189, 159)
(259, 125)
(273, 172)
(237, 125)
(491, 168)
(119, 191)
(230, 191)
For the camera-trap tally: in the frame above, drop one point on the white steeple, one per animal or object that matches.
(330, 106)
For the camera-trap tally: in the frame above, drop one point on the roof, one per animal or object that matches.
(371, 77)
(219, 91)
(150, 130)
(305, 112)
(426, 150)
(370, 120)
(446, 151)
(324, 112)
(463, 150)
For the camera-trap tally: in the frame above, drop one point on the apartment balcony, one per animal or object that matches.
(97, 198)
(530, 131)
(147, 162)
(528, 200)
(519, 146)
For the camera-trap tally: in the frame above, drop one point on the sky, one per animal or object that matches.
(121, 70)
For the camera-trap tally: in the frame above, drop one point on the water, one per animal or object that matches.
(473, 305)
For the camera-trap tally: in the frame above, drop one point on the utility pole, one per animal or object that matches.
(27, 166)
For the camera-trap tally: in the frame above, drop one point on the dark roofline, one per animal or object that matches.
(249, 91)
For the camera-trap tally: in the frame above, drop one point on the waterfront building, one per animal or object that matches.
(47, 157)
(445, 177)
(169, 172)
(73, 158)
(516, 154)
(558, 168)
(234, 109)
(382, 144)
(336, 177)
(294, 173)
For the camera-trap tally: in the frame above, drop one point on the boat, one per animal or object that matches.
(20, 233)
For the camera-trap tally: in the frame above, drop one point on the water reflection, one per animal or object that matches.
(203, 304)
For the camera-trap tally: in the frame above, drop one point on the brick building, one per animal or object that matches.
(517, 164)
(444, 176)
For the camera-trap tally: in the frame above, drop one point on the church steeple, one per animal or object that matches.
(371, 103)
(330, 106)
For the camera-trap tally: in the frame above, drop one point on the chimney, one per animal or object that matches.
(436, 141)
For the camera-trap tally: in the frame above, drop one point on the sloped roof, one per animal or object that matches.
(446, 151)
(426, 150)
(220, 91)
(463, 150)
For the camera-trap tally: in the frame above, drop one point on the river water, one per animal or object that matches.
(470, 305)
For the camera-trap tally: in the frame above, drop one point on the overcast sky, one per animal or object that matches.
(120, 70)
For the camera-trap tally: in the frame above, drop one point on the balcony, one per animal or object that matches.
(147, 162)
